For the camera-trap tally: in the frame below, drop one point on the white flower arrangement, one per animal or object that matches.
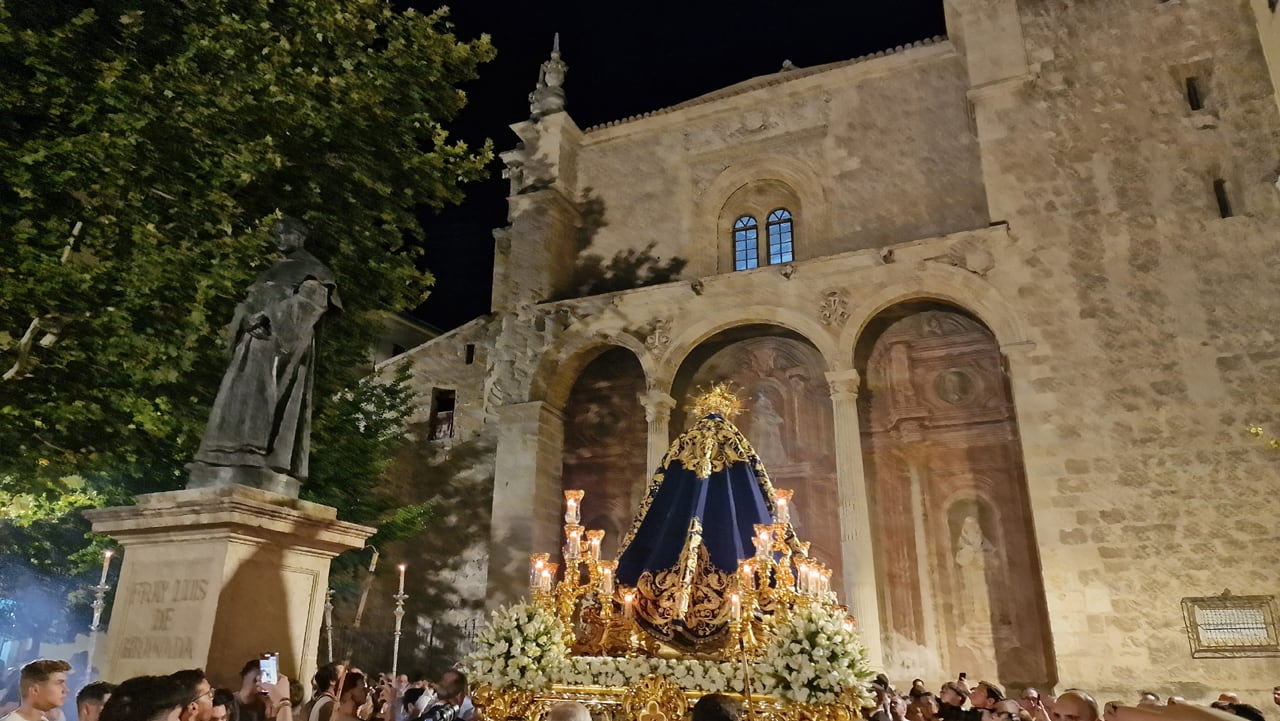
(522, 647)
(690, 674)
(813, 658)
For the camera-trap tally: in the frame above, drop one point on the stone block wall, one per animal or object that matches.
(1152, 319)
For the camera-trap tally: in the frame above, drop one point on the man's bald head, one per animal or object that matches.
(1075, 706)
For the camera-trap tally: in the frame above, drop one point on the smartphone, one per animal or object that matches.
(962, 676)
(269, 669)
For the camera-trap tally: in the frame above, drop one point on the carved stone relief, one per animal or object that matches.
(834, 308)
(660, 337)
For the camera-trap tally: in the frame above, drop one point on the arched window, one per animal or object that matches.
(779, 229)
(746, 244)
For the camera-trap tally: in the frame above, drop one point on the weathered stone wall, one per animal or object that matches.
(1137, 324)
(879, 150)
(1153, 323)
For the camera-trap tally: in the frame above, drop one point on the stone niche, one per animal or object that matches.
(605, 443)
(961, 588)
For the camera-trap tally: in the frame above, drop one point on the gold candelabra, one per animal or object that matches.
(600, 616)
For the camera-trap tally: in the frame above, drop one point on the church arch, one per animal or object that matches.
(951, 525)
(781, 377)
(684, 340)
(606, 442)
(558, 368)
(943, 284)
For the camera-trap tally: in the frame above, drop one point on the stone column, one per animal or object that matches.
(527, 496)
(214, 577)
(860, 588)
(657, 411)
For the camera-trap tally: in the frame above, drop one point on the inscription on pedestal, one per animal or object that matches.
(165, 604)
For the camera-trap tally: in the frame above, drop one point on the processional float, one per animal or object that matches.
(712, 591)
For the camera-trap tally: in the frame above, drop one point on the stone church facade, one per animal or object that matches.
(1002, 306)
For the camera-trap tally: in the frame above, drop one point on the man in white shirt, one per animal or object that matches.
(43, 687)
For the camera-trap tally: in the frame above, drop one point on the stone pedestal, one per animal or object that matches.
(213, 577)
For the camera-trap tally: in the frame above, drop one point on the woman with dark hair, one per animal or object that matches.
(225, 706)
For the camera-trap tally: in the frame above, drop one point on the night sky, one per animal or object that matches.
(622, 63)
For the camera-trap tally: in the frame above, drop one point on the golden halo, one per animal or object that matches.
(720, 399)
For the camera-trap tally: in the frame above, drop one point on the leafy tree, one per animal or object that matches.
(145, 148)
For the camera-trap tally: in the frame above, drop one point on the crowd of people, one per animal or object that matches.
(339, 693)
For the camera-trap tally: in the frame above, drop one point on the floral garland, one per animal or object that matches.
(522, 647)
(813, 658)
(689, 674)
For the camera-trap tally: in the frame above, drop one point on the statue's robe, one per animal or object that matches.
(262, 415)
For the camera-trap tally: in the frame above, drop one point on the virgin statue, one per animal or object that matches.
(259, 431)
(695, 524)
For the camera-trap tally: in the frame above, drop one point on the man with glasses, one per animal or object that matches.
(193, 681)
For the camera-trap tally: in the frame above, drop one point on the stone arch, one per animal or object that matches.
(684, 340)
(945, 284)
(789, 417)
(941, 446)
(559, 366)
(808, 189)
(605, 445)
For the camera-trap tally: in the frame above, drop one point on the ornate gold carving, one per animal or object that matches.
(504, 704)
(704, 623)
(813, 712)
(655, 698)
(720, 399)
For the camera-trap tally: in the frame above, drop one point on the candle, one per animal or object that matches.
(735, 607)
(594, 539)
(402, 567)
(748, 571)
(763, 540)
(628, 600)
(106, 566)
(544, 581)
(782, 504)
(606, 577)
(573, 542)
(536, 563)
(572, 501)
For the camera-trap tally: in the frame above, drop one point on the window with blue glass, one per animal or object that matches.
(746, 243)
(779, 229)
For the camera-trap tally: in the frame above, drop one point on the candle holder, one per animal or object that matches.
(572, 546)
(328, 621)
(573, 506)
(99, 605)
(537, 563)
(399, 614)
(782, 504)
(595, 539)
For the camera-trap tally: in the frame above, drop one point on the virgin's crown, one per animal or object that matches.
(719, 399)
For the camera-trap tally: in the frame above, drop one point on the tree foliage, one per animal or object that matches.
(145, 148)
